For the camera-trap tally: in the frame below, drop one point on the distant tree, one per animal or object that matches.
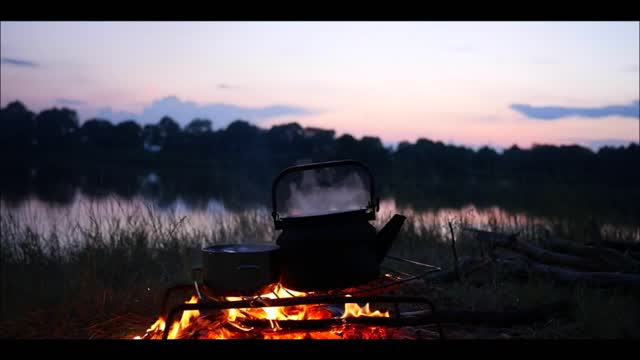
(373, 152)
(241, 134)
(245, 151)
(320, 142)
(98, 132)
(513, 159)
(128, 134)
(168, 127)
(283, 135)
(485, 161)
(282, 141)
(346, 147)
(198, 127)
(158, 136)
(17, 125)
(244, 143)
(152, 136)
(56, 127)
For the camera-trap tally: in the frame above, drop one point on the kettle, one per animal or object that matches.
(332, 250)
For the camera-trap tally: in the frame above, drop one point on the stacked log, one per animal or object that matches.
(556, 259)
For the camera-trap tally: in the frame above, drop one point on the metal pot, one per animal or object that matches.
(240, 269)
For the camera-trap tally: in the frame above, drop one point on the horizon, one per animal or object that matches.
(464, 83)
(392, 146)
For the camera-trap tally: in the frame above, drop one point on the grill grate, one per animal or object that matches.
(390, 280)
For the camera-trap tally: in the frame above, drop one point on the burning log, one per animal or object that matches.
(426, 317)
(273, 307)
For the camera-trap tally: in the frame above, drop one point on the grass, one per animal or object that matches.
(65, 282)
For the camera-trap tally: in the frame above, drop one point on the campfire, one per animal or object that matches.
(308, 285)
(317, 281)
(281, 322)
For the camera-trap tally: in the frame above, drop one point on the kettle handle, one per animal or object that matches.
(374, 203)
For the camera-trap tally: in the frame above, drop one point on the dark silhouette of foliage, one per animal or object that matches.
(17, 126)
(128, 134)
(56, 128)
(98, 132)
(198, 127)
(45, 151)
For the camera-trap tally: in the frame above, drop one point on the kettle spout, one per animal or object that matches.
(387, 234)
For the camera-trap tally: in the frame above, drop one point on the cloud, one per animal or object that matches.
(224, 86)
(185, 111)
(19, 62)
(557, 112)
(70, 102)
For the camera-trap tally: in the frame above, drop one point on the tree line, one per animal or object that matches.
(55, 137)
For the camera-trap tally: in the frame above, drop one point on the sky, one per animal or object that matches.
(465, 83)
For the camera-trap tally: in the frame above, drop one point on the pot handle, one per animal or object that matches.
(196, 273)
(374, 203)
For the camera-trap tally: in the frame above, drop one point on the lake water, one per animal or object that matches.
(112, 211)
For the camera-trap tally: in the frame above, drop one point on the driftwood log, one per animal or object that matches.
(627, 247)
(569, 262)
(524, 267)
(512, 242)
(607, 257)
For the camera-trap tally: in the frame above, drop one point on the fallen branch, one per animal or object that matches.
(536, 253)
(622, 246)
(606, 256)
(605, 279)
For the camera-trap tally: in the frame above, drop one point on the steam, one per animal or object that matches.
(312, 198)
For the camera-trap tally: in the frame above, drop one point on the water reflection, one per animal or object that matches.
(107, 214)
(112, 212)
(204, 202)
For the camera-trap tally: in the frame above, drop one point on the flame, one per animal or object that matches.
(271, 313)
(231, 324)
(187, 315)
(353, 310)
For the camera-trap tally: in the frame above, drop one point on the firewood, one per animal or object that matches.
(628, 247)
(536, 253)
(563, 275)
(490, 318)
(609, 257)
(622, 245)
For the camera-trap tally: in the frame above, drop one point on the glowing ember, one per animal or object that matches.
(232, 323)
